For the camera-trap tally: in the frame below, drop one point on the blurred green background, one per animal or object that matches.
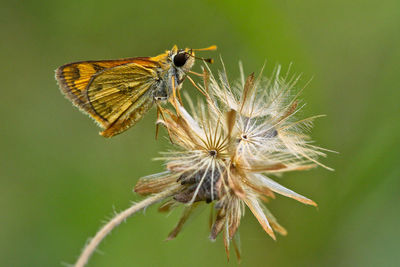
(60, 180)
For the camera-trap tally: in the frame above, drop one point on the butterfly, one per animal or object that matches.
(118, 93)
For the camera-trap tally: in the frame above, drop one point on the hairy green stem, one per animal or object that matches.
(120, 217)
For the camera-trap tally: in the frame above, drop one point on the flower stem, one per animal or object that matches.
(120, 217)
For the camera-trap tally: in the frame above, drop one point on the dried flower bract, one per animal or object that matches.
(226, 151)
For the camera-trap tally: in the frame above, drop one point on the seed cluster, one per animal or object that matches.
(207, 182)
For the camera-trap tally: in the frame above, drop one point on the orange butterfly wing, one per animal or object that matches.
(74, 78)
(122, 95)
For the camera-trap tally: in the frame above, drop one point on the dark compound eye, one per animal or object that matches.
(180, 59)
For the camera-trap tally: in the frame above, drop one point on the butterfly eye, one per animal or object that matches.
(180, 59)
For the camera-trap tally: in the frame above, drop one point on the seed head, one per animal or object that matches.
(226, 151)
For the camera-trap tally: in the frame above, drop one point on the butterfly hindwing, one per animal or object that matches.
(131, 114)
(119, 96)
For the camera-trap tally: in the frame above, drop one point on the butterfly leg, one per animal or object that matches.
(179, 96)
(198, 88)
(160, 113)
(157, 125)
(172, 99)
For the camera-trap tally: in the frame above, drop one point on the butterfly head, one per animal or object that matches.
(183, 59)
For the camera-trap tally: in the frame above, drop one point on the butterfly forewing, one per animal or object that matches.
(108, 90)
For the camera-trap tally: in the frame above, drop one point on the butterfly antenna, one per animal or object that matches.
(210, 48)
(208, 60)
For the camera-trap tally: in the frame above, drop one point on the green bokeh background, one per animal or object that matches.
(60, 180)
